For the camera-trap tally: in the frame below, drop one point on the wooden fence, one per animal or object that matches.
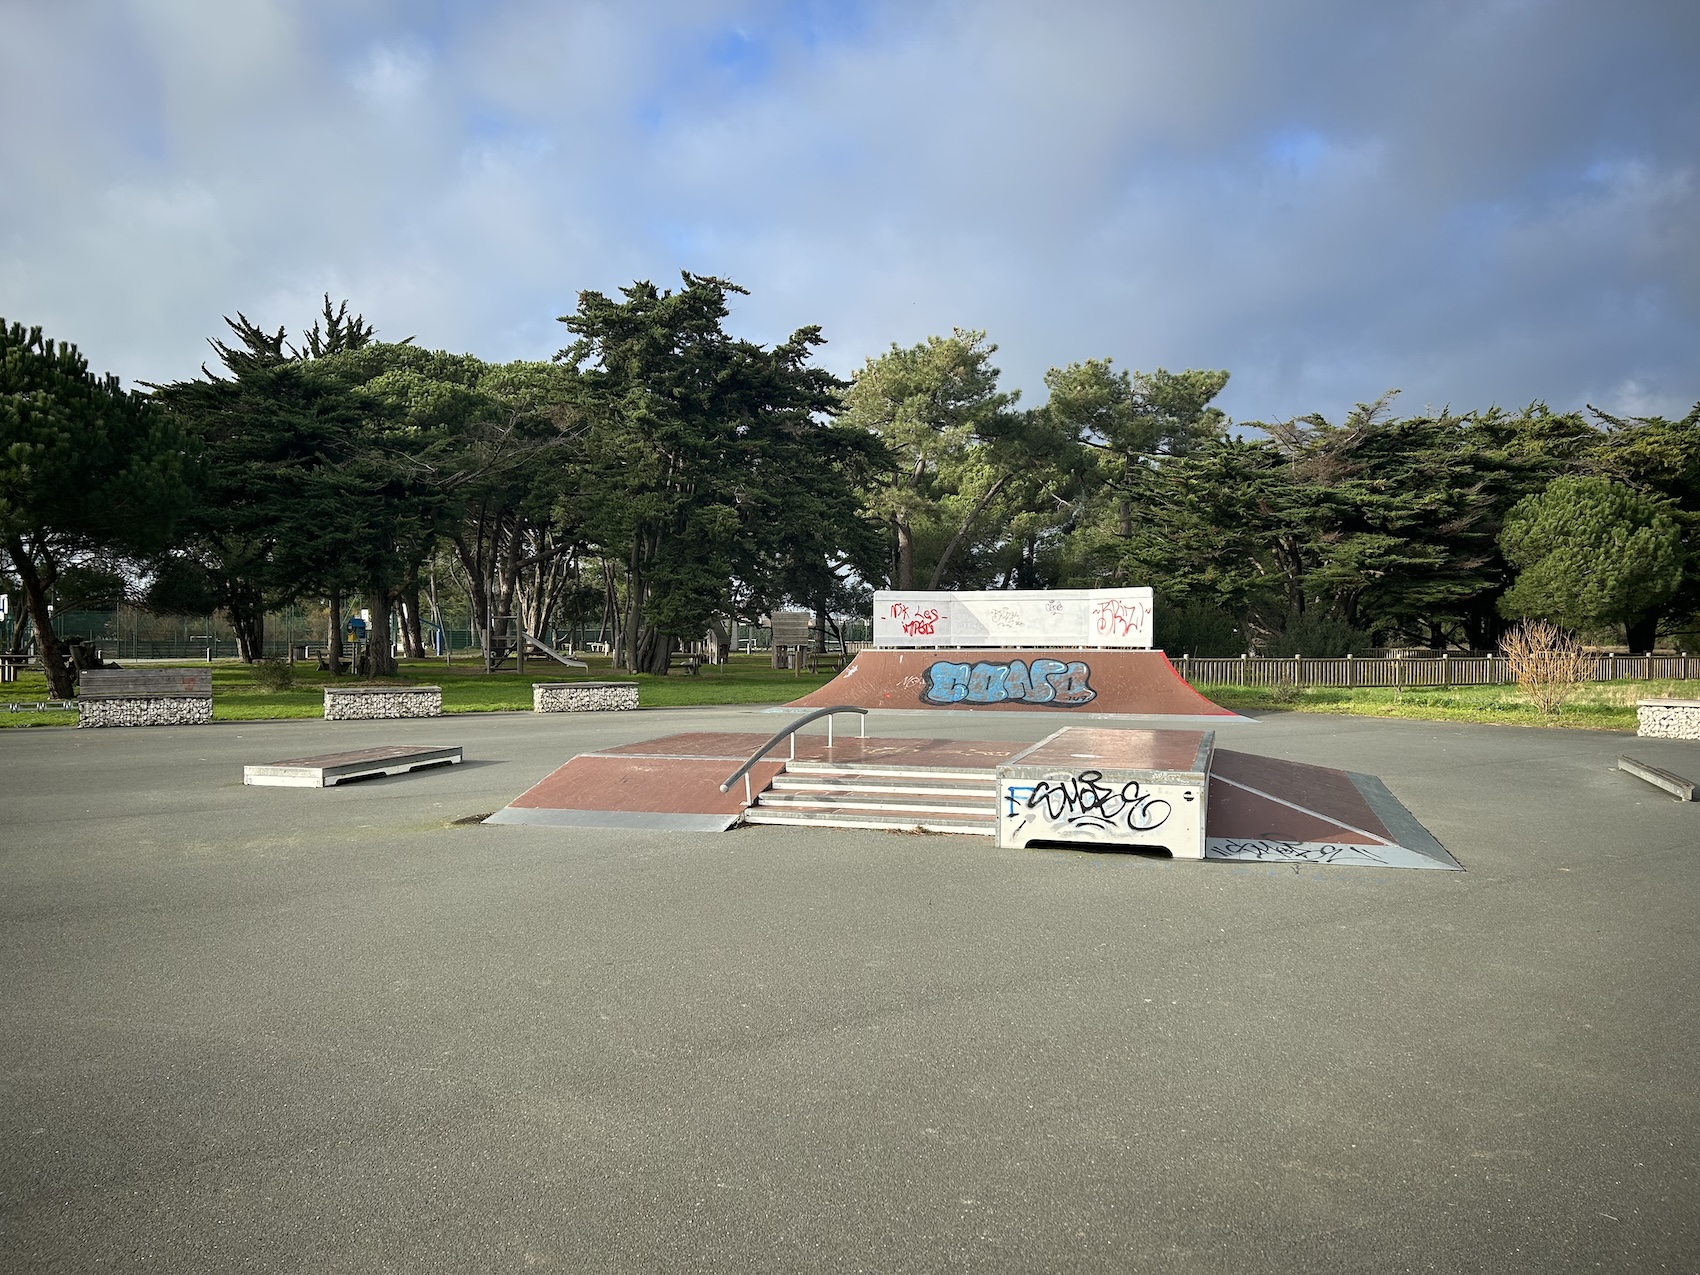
(1443, 670)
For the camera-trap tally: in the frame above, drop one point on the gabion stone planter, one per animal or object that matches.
(1668, 718)
(145, 697)
(369, 703)
(583, 697)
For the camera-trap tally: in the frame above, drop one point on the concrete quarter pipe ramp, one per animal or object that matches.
(1088, 681)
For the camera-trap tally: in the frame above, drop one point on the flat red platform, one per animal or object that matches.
(1120, 749)
(655, 785)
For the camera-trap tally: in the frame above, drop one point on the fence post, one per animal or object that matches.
(1446, 668)
(1349, 667)
(1243, 666)
(1298, 670)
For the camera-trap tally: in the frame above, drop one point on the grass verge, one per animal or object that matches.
(1594, 706)
(748, 679)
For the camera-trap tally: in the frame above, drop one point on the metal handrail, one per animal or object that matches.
(791, 730)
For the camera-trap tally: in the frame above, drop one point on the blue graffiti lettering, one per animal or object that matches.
(1045, 682)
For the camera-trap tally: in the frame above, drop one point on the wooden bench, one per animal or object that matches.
(687, 661)
(9, 666)
(145, 697)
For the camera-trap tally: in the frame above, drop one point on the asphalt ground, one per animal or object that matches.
(335, 1030)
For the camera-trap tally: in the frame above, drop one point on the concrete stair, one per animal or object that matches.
(894, 797)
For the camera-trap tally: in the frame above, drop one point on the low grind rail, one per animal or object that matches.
(791, 732)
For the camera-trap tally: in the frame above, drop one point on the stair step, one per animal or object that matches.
(972, 804)
(871, 819)
(857, 770)
(902, 787)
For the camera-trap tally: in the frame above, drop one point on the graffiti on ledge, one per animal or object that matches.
(1044, 682)
(1268, 849)
(1087, 802)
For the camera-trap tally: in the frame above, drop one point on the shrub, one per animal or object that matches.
(1319, 636)
(1197, 628)
(1546, 663)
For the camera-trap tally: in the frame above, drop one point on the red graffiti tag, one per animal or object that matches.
(1120, 619)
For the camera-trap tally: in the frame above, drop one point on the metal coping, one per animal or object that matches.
(634, 820)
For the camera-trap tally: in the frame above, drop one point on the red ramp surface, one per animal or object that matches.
(1270, 810)
(670, 784)
(1131, 682)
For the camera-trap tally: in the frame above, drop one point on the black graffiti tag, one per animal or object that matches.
(1086, 801)
(1266, 849)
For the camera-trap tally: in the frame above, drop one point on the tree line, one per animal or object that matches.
(666, 475)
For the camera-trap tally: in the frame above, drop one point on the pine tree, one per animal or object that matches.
(86, 468)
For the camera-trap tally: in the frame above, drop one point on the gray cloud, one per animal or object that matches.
(1474, 202)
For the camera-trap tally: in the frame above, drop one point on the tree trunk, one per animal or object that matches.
(246, 609)
(905, 554)
(634, 615)
(1643, 634)
(49, 651)
(611, 614)
(412, 640)
(654, 652)
(380, 645)
(437, 617)
(962, 531)
(476, 593)
(333, 635)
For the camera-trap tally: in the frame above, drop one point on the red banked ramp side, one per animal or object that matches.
(1011, 680)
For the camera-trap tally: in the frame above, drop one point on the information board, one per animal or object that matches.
(1064, 618)
(790, 628)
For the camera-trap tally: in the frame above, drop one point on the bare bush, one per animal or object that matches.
(1546, 663)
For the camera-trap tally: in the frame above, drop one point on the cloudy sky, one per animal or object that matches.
(1475, 201)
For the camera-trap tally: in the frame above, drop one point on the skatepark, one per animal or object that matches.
(360, 1028)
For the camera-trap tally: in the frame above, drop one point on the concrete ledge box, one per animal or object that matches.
(1109, 787)
(370, 703)
(1668, 718)
(145, 697)
(583, 697)
(331, 769)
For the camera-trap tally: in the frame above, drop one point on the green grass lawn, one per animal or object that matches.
(748, 679)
